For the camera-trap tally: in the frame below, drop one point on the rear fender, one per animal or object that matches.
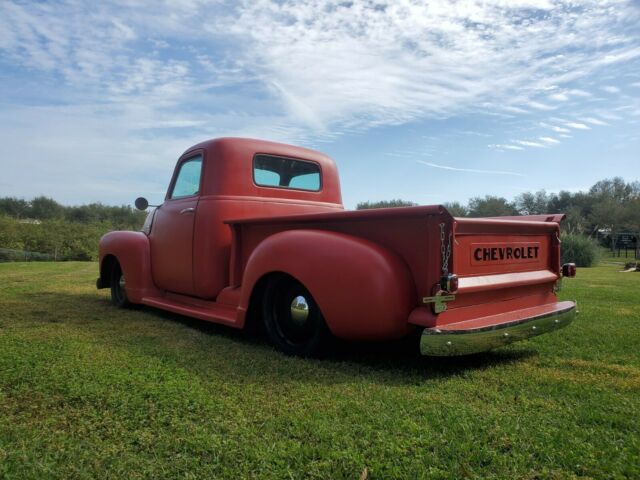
(365, 292)
(131, 250)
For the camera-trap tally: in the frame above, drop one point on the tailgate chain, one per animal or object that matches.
(438, 301)
(446, 253)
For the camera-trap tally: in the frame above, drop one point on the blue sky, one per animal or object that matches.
(430, 103)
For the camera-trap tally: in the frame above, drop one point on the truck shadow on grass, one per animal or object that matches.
(391, 363)
(248, 354)
(382, 361)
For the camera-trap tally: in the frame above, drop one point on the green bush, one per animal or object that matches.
(578, 249)
(56, 239)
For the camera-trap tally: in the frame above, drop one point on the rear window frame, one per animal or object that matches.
(279, 187)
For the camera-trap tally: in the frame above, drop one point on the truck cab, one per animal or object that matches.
(256, 230)
(226, 179)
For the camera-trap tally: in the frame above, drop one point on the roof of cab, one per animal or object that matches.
(252, 146)
(233, 160)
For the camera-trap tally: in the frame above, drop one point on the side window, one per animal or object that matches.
(272, 171)
(188, 179)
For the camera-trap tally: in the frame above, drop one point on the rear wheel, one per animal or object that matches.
(119, 288)
(292, 318)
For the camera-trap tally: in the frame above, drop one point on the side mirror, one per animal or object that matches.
(141, 203)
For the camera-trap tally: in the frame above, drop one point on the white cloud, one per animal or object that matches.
(609, 115)
(593, 121)
(611, 89)
(559, 97)
(550, 140)
(470, 170)
(528, 143)
(577, 126)
(500, 146)
(578, 93)
(555, 128)
(540, 106)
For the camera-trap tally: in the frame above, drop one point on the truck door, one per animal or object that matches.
(172, 234)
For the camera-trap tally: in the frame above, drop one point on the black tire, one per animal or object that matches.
(288, 327)
(118, 288)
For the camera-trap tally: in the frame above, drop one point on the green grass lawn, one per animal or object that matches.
(89, 391)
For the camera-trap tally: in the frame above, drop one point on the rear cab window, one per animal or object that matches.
(284, 172)
(187, 181)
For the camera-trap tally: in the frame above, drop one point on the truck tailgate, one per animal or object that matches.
(508, 271)
(502, 266)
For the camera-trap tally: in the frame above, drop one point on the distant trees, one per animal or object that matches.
(490, 206)
(609, 207)
(385, 204)
(44, 208)
(529, 203)
(457, 209)
(59, 232)
(14, 207)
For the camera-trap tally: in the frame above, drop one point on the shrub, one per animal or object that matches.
(385, 204)
(581, 250)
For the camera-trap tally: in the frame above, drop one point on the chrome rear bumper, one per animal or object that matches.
(444, 343)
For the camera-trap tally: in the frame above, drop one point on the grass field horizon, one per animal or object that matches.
(89, 391)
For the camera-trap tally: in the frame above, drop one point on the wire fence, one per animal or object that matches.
(11, 255)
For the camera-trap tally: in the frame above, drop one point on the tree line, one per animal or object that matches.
(44, 229)
(609, 207)
(45, 208)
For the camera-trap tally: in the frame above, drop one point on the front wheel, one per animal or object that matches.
(119, 288)
(292, 318)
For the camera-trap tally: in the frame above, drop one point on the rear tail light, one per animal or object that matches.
(569, 270)
(449, 283)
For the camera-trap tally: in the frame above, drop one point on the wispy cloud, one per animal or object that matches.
(157, 77)
(470, 170)
(611, 89)
(577, 126)
(317, 65)
(555, 128)
(550, 140)
(529, 143)
(504, 146)
(593, 121)
(559, 97)
(609, 115)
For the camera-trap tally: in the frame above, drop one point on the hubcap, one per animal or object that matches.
(299, 310)
(122, 283)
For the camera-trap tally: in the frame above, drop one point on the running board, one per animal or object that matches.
(200, 309)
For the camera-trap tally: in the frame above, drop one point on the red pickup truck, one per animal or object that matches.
(256, 231)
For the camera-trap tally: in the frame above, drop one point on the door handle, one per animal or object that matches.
(187, 210)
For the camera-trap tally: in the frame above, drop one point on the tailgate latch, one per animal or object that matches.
(439, 301)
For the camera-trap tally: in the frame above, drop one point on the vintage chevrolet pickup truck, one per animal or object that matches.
(255, 231)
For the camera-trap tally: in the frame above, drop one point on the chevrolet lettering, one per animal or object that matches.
(252, 232)
(506, 253)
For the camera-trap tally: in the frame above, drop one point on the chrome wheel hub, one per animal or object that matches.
(299, 310)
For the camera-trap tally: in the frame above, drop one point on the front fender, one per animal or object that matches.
(131, 250)
(365, 292)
